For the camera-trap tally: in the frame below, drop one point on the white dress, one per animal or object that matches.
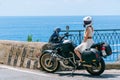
(88, 43)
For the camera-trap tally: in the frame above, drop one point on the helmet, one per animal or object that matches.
(87, 20)
(57, 29)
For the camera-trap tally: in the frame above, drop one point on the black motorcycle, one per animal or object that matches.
(63, 54)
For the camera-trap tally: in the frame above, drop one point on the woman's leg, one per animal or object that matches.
(78, 54)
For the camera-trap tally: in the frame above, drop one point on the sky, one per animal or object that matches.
(59, 7)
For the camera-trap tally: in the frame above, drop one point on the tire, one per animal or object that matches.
(48, 63)
(98, 70)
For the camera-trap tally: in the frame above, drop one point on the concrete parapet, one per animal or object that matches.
(115, 65)
(21, 54)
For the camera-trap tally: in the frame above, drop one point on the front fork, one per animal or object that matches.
(52, 56)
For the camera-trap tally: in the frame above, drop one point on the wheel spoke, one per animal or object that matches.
(48, 64)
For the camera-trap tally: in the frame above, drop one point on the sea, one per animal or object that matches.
(41, 27)
(18, 28)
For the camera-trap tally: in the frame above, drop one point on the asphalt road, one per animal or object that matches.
(15, 73)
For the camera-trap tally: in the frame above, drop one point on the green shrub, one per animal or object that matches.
(29, 38)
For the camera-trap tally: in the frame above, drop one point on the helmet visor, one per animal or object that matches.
(87, 22)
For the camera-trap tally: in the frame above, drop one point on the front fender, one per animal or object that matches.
(47, 51)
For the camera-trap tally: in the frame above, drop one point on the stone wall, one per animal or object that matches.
(21, 54)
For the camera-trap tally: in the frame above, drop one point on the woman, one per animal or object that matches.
(88, 34)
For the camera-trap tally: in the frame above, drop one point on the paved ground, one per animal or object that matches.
(14, 73)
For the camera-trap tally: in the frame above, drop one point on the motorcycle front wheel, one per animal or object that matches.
(98, 69)
(48, 63)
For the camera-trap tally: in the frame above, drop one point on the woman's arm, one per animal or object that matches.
(86, 34)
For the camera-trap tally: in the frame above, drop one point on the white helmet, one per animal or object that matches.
(87, 21)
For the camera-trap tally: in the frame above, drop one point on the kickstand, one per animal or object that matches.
(73, 70)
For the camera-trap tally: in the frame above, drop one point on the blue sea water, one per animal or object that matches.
(41, 27)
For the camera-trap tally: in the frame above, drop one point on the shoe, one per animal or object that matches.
(81, 61)
(79, 64)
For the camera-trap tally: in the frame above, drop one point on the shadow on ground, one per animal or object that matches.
(104, 76)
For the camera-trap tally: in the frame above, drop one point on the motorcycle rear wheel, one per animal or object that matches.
(97, 70)
(49, 63)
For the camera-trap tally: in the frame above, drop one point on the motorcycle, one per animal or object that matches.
(63, 54)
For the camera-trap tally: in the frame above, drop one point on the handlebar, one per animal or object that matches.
(65, 35)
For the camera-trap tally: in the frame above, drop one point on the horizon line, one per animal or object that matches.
(52, 15)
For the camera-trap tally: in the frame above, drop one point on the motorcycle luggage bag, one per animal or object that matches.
(99, 46)
(108, 49)
(90, 55)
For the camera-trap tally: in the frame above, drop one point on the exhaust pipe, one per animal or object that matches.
(65, 65)
(86, 65)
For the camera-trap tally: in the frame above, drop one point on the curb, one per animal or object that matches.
(113, 66)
